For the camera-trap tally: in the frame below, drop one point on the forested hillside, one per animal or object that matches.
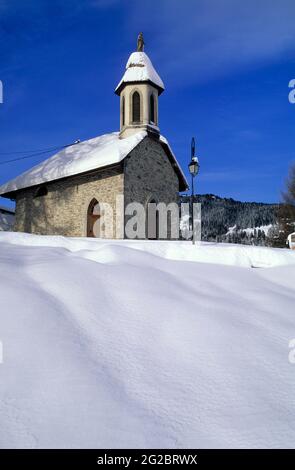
(227, 220)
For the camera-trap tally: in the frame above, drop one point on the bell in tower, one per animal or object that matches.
(139, 90)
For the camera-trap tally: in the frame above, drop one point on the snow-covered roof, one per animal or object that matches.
(176, 165)
(82, 157)
(139, 68)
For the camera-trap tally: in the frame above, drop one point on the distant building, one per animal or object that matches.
(62, 195)
(6, 218)
(291, 241)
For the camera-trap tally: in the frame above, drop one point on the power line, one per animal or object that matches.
(31, 151)
(38, 153)
(26, 156)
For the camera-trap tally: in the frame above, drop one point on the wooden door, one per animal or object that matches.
(92, 216)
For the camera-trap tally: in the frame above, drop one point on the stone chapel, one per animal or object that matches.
(63, 194)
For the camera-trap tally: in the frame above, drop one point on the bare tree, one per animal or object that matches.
(285, 213)
(289, 194)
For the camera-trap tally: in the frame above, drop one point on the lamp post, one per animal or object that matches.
(194, 170)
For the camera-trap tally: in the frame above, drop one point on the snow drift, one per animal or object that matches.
(115, 344)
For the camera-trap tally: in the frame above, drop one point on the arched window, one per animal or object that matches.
(41, 191)
(123, 111)
(136, 107)
(152, 110)
(93, 215)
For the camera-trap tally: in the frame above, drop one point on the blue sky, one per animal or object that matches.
(226, 65)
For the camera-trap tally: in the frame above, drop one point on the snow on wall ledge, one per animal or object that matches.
(119, 345)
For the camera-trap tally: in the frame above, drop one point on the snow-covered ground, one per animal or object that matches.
(250, 230)
(145, 344)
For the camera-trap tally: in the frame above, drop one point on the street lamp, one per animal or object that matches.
(193, 167)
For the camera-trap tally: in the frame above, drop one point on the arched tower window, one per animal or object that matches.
(152, 110)
(136, 107)
(123, 111)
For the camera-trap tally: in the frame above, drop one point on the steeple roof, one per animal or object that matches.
(139, 68)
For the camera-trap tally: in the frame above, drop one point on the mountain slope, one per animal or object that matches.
(227, 220)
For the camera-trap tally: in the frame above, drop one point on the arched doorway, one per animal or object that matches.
(152, 220)
(93, 214)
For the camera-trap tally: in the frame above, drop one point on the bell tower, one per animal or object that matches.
(139, 91)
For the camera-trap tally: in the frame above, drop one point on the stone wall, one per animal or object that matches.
(149, 175)
(63, 211)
